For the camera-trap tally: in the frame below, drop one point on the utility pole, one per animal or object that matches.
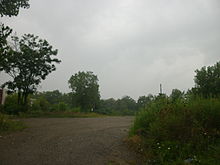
(161, 89)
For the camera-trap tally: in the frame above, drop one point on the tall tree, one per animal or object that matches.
(28, 61)
(126, 103)
(107, 106)
(207, 81)
(11, 7)
(85, 89)
(8, 8)
(143, 101)
(53, 97)
(5, 31)
(176, 95)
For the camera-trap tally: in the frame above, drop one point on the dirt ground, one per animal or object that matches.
(69, 141)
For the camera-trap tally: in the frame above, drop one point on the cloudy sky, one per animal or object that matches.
(132, 45)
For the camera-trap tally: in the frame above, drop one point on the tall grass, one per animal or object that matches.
(183, 131)
(10, 125)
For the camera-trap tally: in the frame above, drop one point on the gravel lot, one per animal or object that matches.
(69, 141)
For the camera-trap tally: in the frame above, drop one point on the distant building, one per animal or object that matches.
(3, 95)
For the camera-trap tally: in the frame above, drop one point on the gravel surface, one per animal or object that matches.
(69, 141)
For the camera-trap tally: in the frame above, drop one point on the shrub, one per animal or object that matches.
(76, 109)
(54, 107)
(174, 132)
(11, 105)
(62, 106)
(7, 124)
(1, 108)
(40, 104)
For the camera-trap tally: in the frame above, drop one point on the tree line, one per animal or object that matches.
(85, 95)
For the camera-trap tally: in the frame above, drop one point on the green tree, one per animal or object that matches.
(107, 106)
(5, 31)
(85, 89)
(62, 106)
(143, 101)
(40, 104)
(11, 7)
(28, 62)
(11, 105)
(176, 95)
(207, 81)
(127, 103)
(53, 97)
(68, 99)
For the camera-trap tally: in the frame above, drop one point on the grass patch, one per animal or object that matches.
(8, 124)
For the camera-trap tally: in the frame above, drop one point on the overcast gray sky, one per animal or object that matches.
(132, 45)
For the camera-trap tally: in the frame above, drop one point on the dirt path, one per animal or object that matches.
(69, 141)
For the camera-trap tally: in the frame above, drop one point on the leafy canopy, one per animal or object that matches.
(11, 7)
(143, 101)
(5, 31)
(207, 81)
(176, 95)
(85, 90)
(28, 61)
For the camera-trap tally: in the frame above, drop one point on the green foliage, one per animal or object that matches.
(5, 31)
(53, 97)
(62, 106)
(85, 90)
(57, 101)
(1, 108)
(11, 7)
(176, 95)
(124, 106)
(8, 125)
(207, 81)
(28, 62)
(172, 132)
(40, 104)
(76, 109)
(68, 99)
(107, 106)
(11, 105)
(143, 101)
(8, 8)
(126, 103)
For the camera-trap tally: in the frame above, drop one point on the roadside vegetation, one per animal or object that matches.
(84, 100)
(8, 124)
(182, 128)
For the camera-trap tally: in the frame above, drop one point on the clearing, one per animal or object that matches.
(69, 141)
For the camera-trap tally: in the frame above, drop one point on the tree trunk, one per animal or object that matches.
(19, 96)
(25, 99)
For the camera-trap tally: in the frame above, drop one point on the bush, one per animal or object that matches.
(7, 124)
(1, 108)
(174, 132)
(62, 106)
(11, 105)
(40, 104)
(77, 109)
